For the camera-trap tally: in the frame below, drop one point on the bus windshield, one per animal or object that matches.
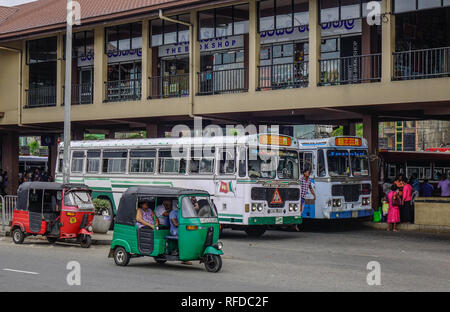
(272, 164)
(338, 163)
(360, 163)
(288, 165)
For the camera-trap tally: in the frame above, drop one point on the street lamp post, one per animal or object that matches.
(68, 94)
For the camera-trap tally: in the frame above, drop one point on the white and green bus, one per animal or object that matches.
(253, 180)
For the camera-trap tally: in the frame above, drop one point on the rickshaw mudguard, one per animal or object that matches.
(121, 243)
(210, 250)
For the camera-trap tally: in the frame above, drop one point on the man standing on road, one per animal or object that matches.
(305, 187)
(444, 185)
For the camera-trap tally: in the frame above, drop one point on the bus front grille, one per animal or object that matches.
(350, 193)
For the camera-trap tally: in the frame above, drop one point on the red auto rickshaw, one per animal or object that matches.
(54, 210)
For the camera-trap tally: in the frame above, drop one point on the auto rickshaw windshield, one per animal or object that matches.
(198, 207)
(82, 199)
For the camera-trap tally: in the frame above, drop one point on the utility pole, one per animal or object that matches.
(68, 94)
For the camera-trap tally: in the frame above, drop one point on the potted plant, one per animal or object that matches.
(102, 219)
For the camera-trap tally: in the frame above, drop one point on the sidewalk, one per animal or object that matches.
(429, 229)
(97, 239)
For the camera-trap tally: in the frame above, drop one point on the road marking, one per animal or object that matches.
(19, 271)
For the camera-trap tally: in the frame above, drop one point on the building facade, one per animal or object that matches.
(266, 62)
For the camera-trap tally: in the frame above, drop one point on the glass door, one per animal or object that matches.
(86, 88)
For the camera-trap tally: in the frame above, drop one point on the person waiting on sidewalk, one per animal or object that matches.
(305, 186)
(407, 203)
(426, 189)
(394, 210)
(444, 186)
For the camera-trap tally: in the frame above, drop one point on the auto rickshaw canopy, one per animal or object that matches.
(23, 191)
(126, 213)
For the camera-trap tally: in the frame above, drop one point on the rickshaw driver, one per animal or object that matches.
(173, 218)
(145, 216)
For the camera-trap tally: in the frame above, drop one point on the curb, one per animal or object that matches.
(429, 229)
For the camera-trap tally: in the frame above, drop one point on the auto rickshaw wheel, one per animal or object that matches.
(121, 256)
(86, 242)
(213, 263)
(18, 236)
(52, 240)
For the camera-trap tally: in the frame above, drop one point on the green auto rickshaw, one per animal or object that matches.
(198, 227)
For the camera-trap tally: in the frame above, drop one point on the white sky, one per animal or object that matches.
(13, 2)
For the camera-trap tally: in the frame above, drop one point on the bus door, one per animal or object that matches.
(225, 177)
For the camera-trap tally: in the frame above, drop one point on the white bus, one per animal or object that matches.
(340, 171)
(250, 193)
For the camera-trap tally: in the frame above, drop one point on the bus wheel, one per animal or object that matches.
(213, 263)
(255, 232)
(121, 256)
(52, 240)
(18, 236)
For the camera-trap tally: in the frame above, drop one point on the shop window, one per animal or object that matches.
(341, 10)
(124, 37)
(170, 32)
(401, 6)
(266, 17)
(221, 22)
(157, 31)
(301, 12)
(41, 50)
(82, 45)
(284, 12)
(329, 11)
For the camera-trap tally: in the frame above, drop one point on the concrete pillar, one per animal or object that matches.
(60, 70)
(146, 59)
(315, 35)
(196, 56)
(52, 158)
(387, 43)
(254, 47)
(10, 160)
(371, 134)
(152, 131)
(100, 65)
(350, 129)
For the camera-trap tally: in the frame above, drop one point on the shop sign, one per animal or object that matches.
(113, 57)
(302, 32)
(222, 43)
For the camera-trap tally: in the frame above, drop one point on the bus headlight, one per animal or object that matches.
(260, 207)
(295, 207)
(337, 203)
(291, 207)
(366, 201)
(254, 207)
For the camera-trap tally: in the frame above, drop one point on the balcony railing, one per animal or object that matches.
(169, 86)
(123, 90)
(350, 70)
(283, 76)
(223, 81)
(41, 96)
(81, 93)
(422, 64)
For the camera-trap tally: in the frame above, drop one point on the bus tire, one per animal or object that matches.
(255, 232)
(18, 236)
(121, 256)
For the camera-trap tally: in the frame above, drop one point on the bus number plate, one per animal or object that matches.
(279, 220)
(276, 210)
(354, 214)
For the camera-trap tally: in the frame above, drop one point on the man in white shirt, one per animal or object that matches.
(163, 211)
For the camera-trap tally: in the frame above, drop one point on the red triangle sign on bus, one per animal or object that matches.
(276, 199)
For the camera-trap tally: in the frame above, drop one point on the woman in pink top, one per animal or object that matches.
(394, 210)
(407, 203)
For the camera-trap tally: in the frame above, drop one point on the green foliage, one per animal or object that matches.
(101, 205)
(34, 147)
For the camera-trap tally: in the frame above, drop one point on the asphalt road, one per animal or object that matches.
(322, 258)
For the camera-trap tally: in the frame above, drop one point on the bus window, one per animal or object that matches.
(288, 166)
(338, 163)
(242, 162)
(262, 164)
(169, 164)
(77, 162)
(200, 165)
(360, 163)
(60, 161)
(306, 162)
(321, 169)
(142, 161)
(93, 161)
(115, 161)
(227, 161)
